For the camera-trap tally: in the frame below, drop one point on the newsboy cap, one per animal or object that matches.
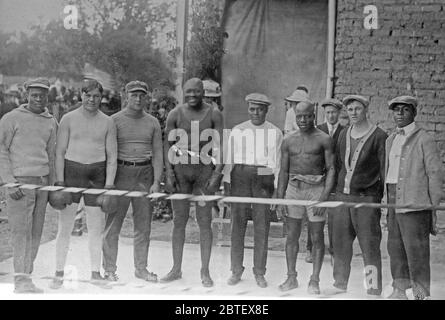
(258, 98)
(37, 83)
(355, 97)
(409, 100)
(298, 96)
(332, 102)
(133, 86)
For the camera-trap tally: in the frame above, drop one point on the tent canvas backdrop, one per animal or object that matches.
(273, 46)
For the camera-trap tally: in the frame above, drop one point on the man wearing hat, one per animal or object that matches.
(413, 177)
(27, 153)
(361, 176)
(86, 153)
(307, 173)
(300, 94)
(212, 93)
(252, 167)
(140, 165)
(193, 168)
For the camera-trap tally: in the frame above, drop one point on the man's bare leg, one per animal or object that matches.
(318, 248)
(292, 248)
(204, 218)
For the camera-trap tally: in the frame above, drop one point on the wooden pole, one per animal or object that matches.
(182, 9)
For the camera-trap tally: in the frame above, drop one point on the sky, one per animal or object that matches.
(19, 15)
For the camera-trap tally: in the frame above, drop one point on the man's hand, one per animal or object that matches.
(155, 187)
(170, 182)
(434, 229)
(282, 211)
(214, 182)
(320, 211)
(16, 194)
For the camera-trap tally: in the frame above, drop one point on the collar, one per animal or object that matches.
(409, 128)
(332, 127)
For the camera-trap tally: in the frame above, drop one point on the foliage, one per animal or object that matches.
(206, 46)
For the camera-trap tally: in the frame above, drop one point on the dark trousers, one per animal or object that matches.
(409, 247)
(245, 182)
(132, 179)
(363, 223)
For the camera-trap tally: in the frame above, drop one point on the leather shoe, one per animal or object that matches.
(290, 283)
(260, 281)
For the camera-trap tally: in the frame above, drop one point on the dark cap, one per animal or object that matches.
(332, 102)
(258, 98)
(356, 97)
(37, 83)
(133, 86)
(409, 100)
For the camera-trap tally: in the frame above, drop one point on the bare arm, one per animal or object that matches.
(169, 126)
(61, 147)
(111, 152)
(157, 153)
(329, 158)
(218, 122)
(6, 137)
(283, 177)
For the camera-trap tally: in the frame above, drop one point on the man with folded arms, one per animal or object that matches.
(252, 167)
(27, 153)
(307, 173)
(86, 154)
(140, 165)
(413, 177)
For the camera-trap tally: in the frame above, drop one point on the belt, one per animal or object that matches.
(134, 163)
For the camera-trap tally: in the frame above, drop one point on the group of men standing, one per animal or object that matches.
(90, 150)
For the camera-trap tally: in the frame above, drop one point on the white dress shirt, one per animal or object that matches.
(395, 153)
(290, 124)
(254, 145)
(332, 128)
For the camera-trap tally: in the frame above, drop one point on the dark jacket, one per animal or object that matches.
(324, 127)
(366, 172)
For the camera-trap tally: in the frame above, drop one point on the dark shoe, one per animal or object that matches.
(27, 287)
(206, 280)
(235, 278)
(260, 281)
(308, 258)
(56, 283)
(111, 276)
(313, 287)
(290, 283)
(398, 294)
(171, 276)
(146, 275)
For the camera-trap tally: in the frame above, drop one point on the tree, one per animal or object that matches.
(206, 46)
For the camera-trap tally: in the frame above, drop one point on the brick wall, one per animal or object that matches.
(405, 55)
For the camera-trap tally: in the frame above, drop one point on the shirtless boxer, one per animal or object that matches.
(307, 173)
(192, 172)
(86, 156)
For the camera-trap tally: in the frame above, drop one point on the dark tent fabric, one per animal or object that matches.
(273, 46)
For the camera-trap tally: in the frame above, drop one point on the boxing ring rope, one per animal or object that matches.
(221, 199)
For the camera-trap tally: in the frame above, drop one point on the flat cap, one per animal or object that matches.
(332, 102)
(37, 83)
(133, 86)
(298, 96)
(211, 88)
(258, 98)
(409, 100)
(356, 97)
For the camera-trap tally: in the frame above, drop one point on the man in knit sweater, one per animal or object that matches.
(27, 153)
